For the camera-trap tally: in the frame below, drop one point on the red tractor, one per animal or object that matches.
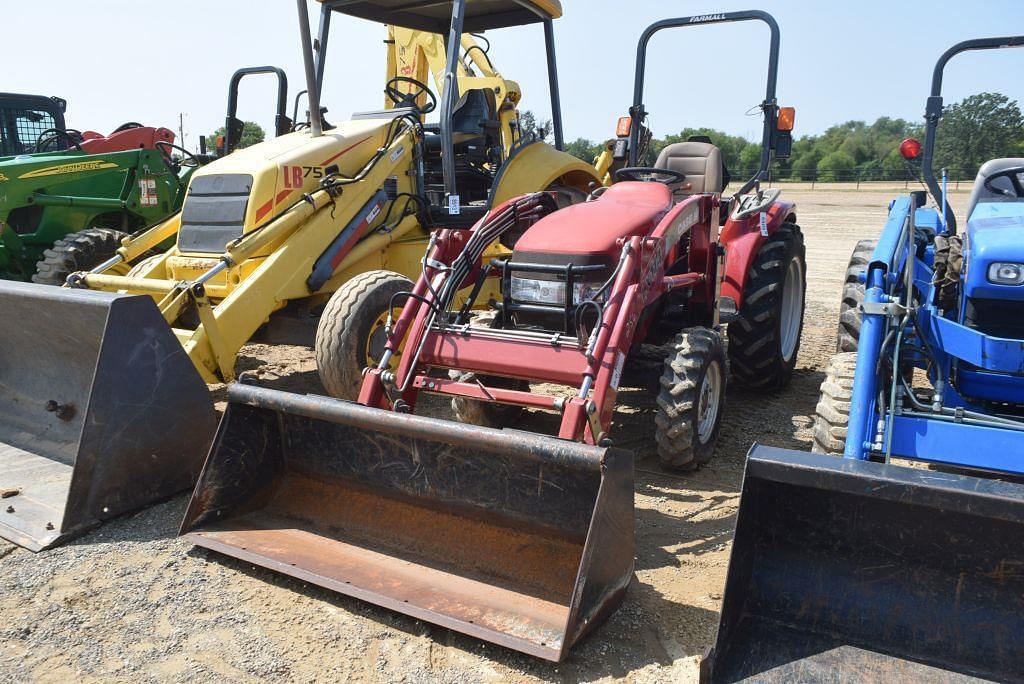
(660, 257)
(520, 538)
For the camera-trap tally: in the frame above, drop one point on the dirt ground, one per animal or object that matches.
(129, 602)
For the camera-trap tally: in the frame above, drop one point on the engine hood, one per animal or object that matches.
(592, 229)
(995, 233)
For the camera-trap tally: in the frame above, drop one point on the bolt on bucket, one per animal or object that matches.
(846, 570)
(101, 411)
(519, 539)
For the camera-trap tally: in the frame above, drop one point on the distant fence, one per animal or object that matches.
(856, 177)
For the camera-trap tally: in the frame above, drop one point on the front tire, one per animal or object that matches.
(765, 340)
(350, 336)
(691, 400)
(81, 251)
(848, 336)
(832, 415)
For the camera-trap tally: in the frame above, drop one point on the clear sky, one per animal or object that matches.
(147, 61)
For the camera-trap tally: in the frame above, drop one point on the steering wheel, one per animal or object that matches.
(127, 126)
(47, 138)
(162, 144)
(1014, 175)
(403, 99)
(647, 174)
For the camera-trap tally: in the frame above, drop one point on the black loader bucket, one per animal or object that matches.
(854, 571)
(101, 411)
(515, 538)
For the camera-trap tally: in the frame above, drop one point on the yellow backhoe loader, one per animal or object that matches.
(115, 365)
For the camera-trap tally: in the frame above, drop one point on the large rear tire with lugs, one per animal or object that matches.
(765, 340)
(351, 334)
(848, 336)
(81, 251)
(691, 400)
(832, 415)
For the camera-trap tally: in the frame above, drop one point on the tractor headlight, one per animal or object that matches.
(551, 292)
(1006, 273)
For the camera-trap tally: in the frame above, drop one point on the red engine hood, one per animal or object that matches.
(624, 210)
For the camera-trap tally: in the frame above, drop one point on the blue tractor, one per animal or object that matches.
(859, 568)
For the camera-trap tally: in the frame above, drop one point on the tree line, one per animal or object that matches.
(979, 128)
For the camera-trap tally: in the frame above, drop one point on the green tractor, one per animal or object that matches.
(68, 197)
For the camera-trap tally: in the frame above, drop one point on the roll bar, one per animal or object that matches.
(314, 67)
(769, 106)
(933, 112)
(233, 126)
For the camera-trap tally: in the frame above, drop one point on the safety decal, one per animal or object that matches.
(77, 167)
(620, 362)
(147, 192)
(454, 205)
(396, 154)
(764, 224)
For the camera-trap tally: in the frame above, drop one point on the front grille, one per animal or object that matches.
(996, 317)
(214, 212)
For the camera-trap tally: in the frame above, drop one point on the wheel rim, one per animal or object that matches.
(792, 308)
(710, 399)
(377, 339)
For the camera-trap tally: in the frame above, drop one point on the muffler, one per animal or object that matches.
(846, 570)
(101, 411)
(519, 539)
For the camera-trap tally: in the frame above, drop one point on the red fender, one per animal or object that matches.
(742, 240)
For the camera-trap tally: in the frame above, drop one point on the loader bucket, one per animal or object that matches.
(101, 411)
(846, 570)
(518, 539)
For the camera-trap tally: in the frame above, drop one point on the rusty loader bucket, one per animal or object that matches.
(101, 411)
(846, 570)
(515, 538)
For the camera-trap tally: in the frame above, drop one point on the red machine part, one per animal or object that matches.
(145, 137)
(641, 280)
(742, 240)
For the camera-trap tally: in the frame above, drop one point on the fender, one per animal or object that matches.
(538, 166)
(742, 240)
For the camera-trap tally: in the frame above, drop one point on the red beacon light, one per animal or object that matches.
(910, 149)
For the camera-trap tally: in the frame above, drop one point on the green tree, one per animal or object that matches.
(750, 159)
(584, 149)
(252, 133)
(531, 126)
(836, 166)
(979, 128)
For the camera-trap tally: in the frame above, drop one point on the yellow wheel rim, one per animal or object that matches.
(377, 339)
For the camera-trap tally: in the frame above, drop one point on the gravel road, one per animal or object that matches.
(129, 602)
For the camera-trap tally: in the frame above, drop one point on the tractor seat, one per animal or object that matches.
(982, 194)
(701, 162)
(473, 117)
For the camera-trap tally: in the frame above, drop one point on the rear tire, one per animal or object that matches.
(350, 336)
(81, 251)
(765, 340)
(832, 416)
(848, 336)
(691, 400)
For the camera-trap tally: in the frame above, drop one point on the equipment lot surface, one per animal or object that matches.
(130, 602)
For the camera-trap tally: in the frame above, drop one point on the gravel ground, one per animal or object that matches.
(129, 602)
